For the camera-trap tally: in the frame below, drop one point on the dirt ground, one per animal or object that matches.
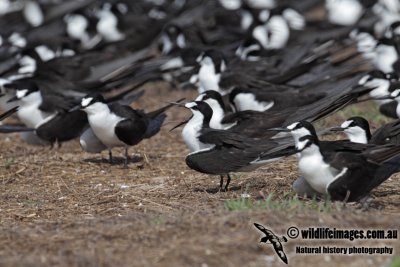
(64, 207)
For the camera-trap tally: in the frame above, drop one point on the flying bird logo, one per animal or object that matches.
(271, 238)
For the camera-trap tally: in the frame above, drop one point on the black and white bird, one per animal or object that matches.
(218, 106)
(47, 113)
(221, 152)
(392, 109)
(118, 125)
(381, 85)
(256, 123)
(358, 130)
(30, 99)
(344, 176)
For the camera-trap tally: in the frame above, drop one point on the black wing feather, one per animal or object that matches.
(131, 131)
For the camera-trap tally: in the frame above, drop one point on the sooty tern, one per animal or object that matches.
(255, 124)
(30, 99)
(49, 117)
(303, 128)
(392, 109)
(7, 128)
(217, 104)
(357, 130)
(381, 86)
(344, 175)
(220, 152)
(51, 111)
(120, 125)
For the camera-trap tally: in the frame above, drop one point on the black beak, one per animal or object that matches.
(279, 129)
(297, 150)
(179, 125)
(8, 113)
(337, 129)
(180, 104)
(376, 98)
(77, 107)
(13, 99)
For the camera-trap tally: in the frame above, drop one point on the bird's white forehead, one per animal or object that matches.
(200, 97)
(395, 93)
(86, 101)
(206, 60)
(363, 79)
(190, 105)
(200, 57)
(301, 144)
(21, 93)
(292, 126)
(346, 124)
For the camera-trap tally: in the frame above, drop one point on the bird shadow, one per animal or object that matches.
(216, 189)
(115, 161)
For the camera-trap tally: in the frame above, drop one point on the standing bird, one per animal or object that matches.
(221, 152)
(121, 125)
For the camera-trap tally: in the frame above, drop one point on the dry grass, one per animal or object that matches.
(64, 207)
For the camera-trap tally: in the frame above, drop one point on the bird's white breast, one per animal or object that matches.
(29, 112)
(208, 78)
(356, 135)
(317, 173)
(381, 90)
(107, 27)
(344, 12)
(103, 125)
(280, 32)
(76, 27)
(386, 56)
(33, 13)
(191, 131)
(247, 101)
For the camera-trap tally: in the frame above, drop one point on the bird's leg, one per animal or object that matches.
(221, 182)
(346, 199)
(110, 160)
(227, 182)
(126, 157)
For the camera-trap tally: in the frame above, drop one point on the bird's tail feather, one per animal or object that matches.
(155, 113)
(155, 125)
(388, 168)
